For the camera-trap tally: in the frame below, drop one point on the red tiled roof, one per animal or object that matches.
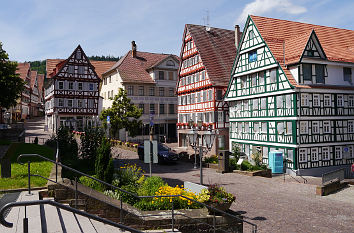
(134, 69)
(33, 76)
(22, 70)
(100, 66)
(217, 51)
(338, 44)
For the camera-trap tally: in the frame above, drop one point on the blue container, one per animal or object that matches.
(275, 159)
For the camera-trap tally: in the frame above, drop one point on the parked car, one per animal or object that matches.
(164, 153)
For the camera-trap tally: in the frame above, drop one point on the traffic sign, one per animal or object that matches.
(147, 151)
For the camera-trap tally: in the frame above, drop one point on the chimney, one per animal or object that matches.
(133, 49)
(237, 35)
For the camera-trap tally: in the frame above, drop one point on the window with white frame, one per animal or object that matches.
(264, 127)
(255, 104)
(351, 101)
(315, 127)
(152, 108)
(304, 127)
(161, 91)
(171, 91)
(79, 86)
(256, 127)
(91, 86)
(327, 100)
(340, 101)
(325, 153)
(314, 154)
(264, 103)
(198, 97)
(61, 103)
(338, 152)
(90, 103)
(188, 99)
(204, 96)
(70, 103)
(141, 90)
(192, 98)
(326, 127)
(350, 126)
(316, 100)
(210, 95)
(151, 91)
(203, 75)
(280, 127)
(81, 69)
(304, 99)
(289, 128)
(71, 69)
(130, 90)
(273, 75)
(79, 103)
(220, 116)
(71, 85)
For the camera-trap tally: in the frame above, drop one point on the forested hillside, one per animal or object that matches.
(41, 68)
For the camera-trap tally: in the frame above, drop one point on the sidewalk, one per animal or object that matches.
(35, 128)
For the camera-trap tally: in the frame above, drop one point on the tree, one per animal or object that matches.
(102, 160)
(11, 85)
(123, 115)
(90, 140)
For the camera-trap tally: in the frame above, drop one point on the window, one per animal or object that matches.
(219, 94)
(162, 109)
(273, 75)
(161, 91)
(307, 71)
(251, 35)
(112, 94)
(79, 103)
(105, 81)
(254, 79)
(304, 100)
(61, 85)
(70, 103)
(79, 86)
(171, 91)
(327, 101)
(289, 128)
(264, 127)
(78, 54)
(338, 152)
(71, 69)
(256, 127)
(204, 96)
(90, 103)
(141, 106)
(252, 56)
(280, 127)
(315, 127)
(151, 91)
(61, 103)
(81, 69)
(347, 74)
(141, 90)
(188, 99)
(350, 101)
(350, 126)
(130, 90)
(152, 108)
(206, 117)
(198, 97)
(161, 75)
(91, 86)
(203, 75)
(316, 100)
(192, 98)
(326, 127)
(197, 77)
(320, 75)
(314, 154)
(340, 101)
(303, 127)
(255, 104)
(302, 155)
(171, 109)
(170, 76)
(325, 153)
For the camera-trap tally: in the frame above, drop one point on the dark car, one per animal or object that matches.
(164, 153)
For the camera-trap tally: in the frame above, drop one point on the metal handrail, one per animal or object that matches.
(304, 179)
(61, 206)
(254, 226)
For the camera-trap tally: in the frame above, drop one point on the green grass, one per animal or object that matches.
(19, 178)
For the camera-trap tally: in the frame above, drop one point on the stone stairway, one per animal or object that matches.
(49, 219)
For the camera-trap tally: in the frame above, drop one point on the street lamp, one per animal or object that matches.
(196, 137)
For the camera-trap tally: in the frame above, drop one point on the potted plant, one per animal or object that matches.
(216, 197)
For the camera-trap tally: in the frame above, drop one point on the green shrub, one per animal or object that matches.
(35, 140)
(212, 159)
(90, 140)
(91, 183)
(246, 166)
(68, 148)
(108, 173)
(233, 164)
(150, 186)
(103, 158)
(236, 152)
(127, 174)
(126, 197)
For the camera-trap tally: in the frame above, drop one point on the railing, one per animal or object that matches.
(58, 205)
(296, 172)
(333, 175)
(253, 226)
(31, 139)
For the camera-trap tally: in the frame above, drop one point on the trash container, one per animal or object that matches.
(223, 158)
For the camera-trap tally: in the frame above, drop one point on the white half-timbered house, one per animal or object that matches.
(291, 89)
(71, 93)
(207, 56)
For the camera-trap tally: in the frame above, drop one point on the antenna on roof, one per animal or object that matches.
(206, 21)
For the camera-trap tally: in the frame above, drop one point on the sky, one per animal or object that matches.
(40, 29)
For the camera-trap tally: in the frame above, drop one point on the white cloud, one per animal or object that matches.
(259, 7)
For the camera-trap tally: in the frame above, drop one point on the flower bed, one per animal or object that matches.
(125, 145)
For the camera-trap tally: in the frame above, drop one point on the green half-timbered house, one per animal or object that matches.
(291, 89)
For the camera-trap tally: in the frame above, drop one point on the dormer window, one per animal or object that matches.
(307, 71)
(347, 74)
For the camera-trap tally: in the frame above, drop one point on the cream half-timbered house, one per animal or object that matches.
(71, 93)
(207, 56)
(150, 82)
(291, 89)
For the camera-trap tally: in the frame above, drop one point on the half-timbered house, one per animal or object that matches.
(291, 89)
(71, 92)
(150, 82)
(207, 56)
(34, 102)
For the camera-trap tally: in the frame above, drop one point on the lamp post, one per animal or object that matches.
(196, 139)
